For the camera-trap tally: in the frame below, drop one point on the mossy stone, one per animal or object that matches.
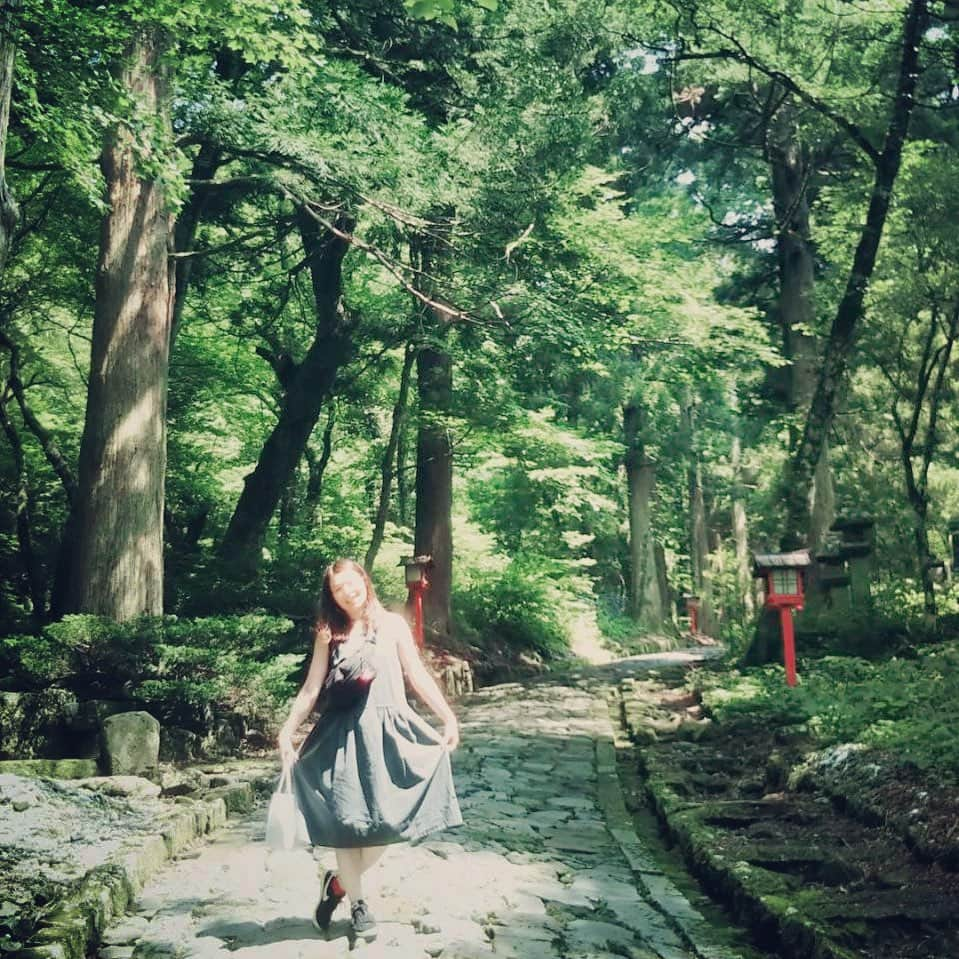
(50, 768)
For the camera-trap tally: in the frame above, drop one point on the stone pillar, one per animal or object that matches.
(856, 548)
(832, 582)
(954, 545)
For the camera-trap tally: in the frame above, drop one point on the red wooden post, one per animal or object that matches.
(692, 611)
(417, 590)
(416, 583)
(789, 643)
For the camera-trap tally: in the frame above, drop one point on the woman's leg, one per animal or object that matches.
(352, 864)
(349, 870)
(371, 855)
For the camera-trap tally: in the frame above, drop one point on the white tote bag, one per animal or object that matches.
(285, 826)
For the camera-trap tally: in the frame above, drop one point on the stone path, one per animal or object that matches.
(547, 864)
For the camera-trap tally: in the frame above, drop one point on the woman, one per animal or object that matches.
(374, 772)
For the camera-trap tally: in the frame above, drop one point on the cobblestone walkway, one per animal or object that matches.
(547, 864)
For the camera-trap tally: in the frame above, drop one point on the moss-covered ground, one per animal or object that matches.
(828, 843)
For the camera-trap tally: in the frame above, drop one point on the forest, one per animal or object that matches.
(588, 302)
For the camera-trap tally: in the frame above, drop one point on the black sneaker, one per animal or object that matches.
(330, 897)
(364, 925)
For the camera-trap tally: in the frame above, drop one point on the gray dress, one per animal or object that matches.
(376, 773)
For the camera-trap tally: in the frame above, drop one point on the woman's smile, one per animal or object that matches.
(349, 591)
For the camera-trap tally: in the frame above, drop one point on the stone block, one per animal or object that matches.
(115, 952)
(126, 932)
(179, 832)
(586, 934)
(130, 744)
(238, 798)
(178, 745)
(135, 787)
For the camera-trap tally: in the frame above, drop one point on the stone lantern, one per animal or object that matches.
(832, 579)
(856, 547)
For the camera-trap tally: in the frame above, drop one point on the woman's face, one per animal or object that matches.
(349, 592)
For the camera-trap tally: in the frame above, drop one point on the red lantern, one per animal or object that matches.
(416, 583)
(782, 574)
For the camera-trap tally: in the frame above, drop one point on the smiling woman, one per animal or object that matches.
(371, 772)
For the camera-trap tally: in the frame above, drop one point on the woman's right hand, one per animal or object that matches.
(287, 751)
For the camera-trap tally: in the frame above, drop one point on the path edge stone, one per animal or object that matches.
(750, 903)
(687, 921)
(105, 893)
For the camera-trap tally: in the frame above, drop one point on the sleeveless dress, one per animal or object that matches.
(376, 773)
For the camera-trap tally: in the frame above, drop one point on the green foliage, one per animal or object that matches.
(83, 648)
(517, 606)
(899, 704)
(628, 638)
(182, 670)
(870, 634)
(554, 477)
(579, 178)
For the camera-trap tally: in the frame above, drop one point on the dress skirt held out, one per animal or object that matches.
(375, 773)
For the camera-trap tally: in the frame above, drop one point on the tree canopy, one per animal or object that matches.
(526, 283)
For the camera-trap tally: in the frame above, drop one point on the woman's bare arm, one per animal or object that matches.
(422, 682)
(306, 697)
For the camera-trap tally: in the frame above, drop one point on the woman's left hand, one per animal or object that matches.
(287, 751)
(451, 734)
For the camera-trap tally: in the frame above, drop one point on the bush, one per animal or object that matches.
(900, 705)
(628, 638)
(184, 671)
(869, 635)
(203, 588)
(516, 606)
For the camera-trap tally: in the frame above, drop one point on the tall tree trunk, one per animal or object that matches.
(317, 466)
(403, 480)
(790, 171)
(9, 213)
(387, 470)
(646, 604)
(59, 594)
(744, 579)
(839, 347)
(24, 523)
(697, 528)
(434, 483)
(433, 531)
(118, 559)
(207, 162)
(699, 546)
(310, 386)
(287, 513)
(925, 395)
(920, 507)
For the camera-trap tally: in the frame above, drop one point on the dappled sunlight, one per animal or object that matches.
(538, 870)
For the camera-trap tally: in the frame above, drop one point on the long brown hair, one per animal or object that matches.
(330, 614)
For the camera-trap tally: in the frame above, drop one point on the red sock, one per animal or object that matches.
(336, 888)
